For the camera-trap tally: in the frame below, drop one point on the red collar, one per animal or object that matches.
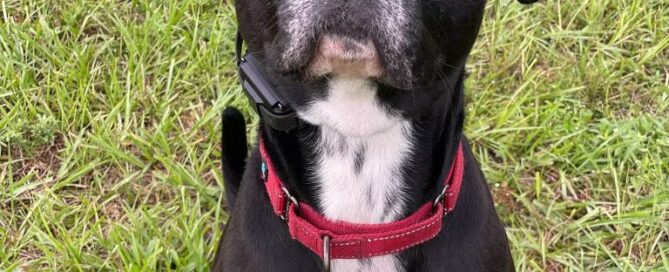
(341, 240)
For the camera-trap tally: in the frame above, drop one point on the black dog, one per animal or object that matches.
(378, 88)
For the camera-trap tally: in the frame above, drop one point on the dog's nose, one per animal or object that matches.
(345, 56)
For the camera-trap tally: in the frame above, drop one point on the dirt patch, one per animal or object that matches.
(554, 266)
(43, 162)
(114, 210)
(503, 195)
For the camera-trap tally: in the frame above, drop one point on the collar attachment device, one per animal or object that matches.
(343, 240)
(275, 112)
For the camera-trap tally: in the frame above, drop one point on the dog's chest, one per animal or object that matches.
(359, 178)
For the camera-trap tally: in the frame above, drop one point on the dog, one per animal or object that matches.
(377, 88)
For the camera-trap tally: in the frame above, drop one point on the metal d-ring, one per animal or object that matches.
(290, 199)
(326, 253)
(441, 196)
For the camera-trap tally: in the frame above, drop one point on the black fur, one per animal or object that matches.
(235, 151)
(472, 239)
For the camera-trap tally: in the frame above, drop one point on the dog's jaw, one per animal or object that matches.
(360, 153)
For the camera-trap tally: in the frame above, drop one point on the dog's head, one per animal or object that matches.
(401, 46)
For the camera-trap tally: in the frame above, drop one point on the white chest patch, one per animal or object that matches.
(362, 149)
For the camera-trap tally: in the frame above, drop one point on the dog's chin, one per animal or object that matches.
(353, 128)
(358, 131)
(351, 108)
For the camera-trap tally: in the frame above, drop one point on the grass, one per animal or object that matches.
(109, 127)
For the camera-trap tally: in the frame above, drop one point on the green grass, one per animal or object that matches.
(109, 127)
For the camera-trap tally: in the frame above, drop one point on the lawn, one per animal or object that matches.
(109, 132)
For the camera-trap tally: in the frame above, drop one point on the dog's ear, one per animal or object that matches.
(527, 1)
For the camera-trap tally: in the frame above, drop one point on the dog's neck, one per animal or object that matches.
(369, 166)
